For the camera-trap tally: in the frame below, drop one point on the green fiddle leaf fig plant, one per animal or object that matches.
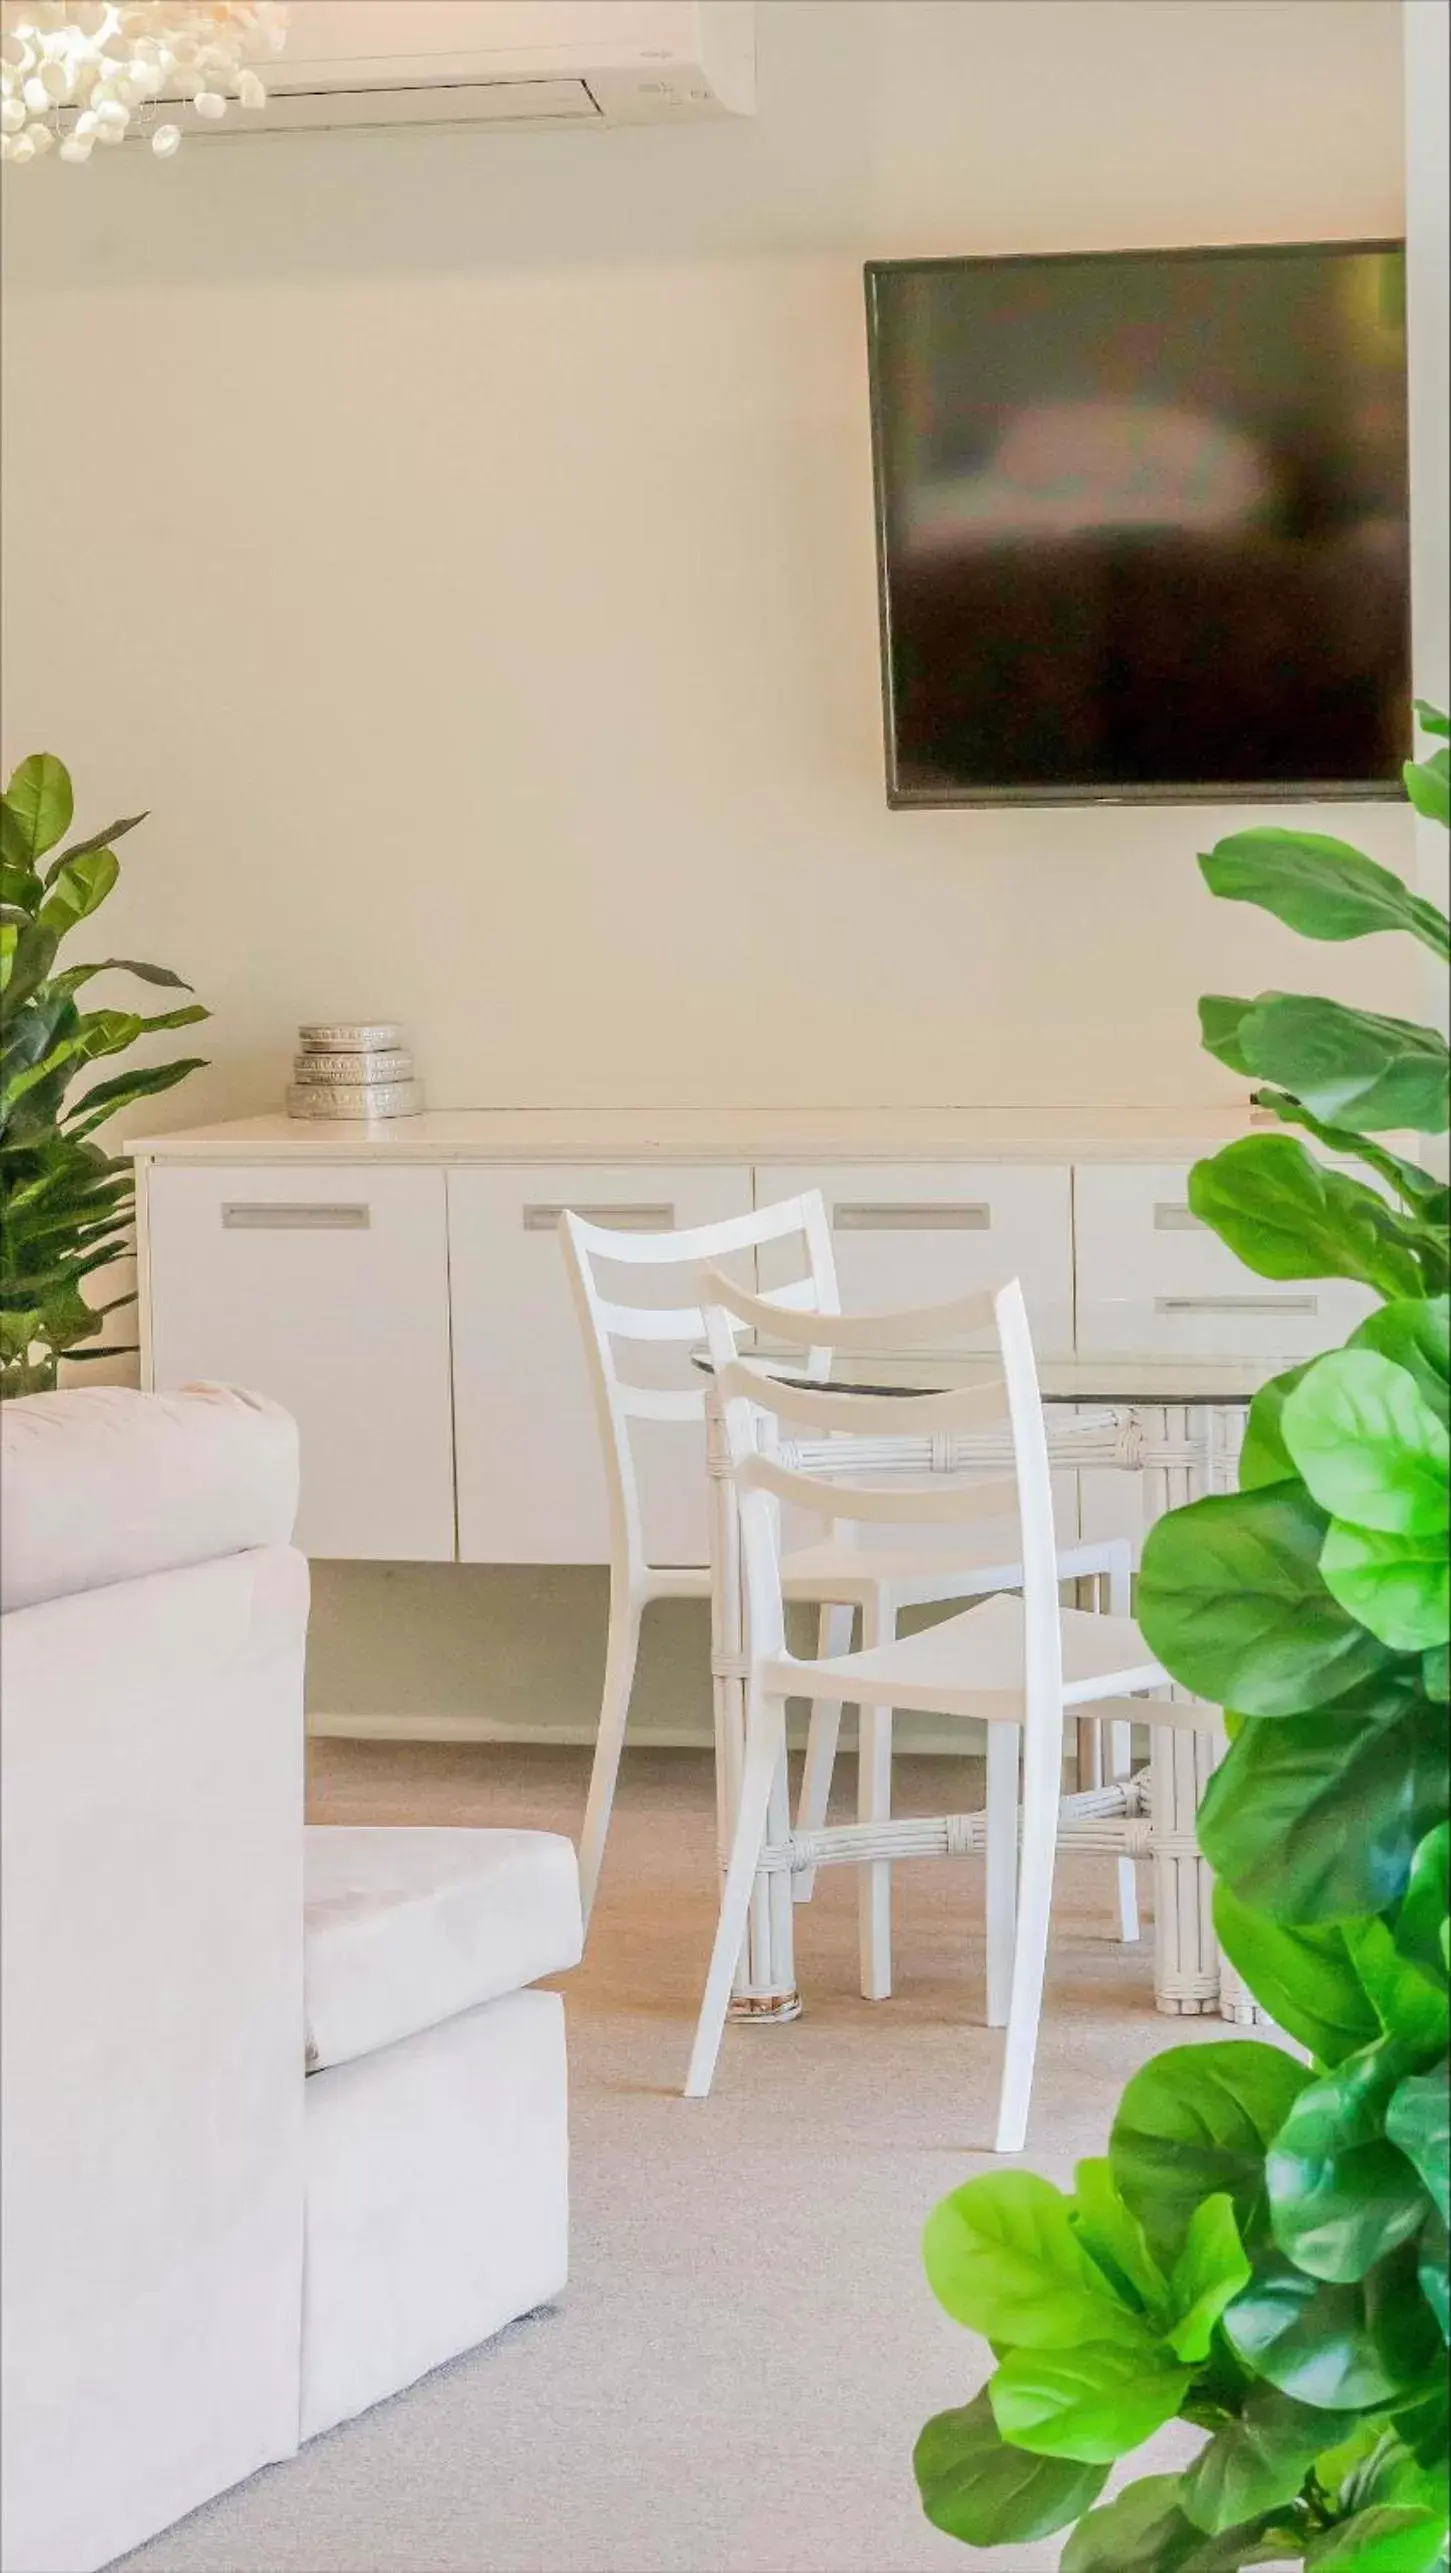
(65, 1203)
(1263, 2251)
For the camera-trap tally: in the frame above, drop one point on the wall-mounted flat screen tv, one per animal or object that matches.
(1142, 524)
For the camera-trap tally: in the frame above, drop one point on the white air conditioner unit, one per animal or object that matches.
(507, 62)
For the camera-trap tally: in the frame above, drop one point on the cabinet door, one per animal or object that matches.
(328, 1290)
(1153, 1279)
(920, 1232)
(531, 1485)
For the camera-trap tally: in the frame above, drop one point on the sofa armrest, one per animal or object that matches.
(103, 1484)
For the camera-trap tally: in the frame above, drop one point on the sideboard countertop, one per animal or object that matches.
(757, 1135)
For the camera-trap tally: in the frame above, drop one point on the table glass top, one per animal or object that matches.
(1127, 1378)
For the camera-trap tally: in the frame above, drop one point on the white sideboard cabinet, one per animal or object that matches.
(327, 1288)
(400, 1287)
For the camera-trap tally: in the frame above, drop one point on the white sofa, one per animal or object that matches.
(210, 2258)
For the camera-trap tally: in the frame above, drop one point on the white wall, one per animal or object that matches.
(463, 544)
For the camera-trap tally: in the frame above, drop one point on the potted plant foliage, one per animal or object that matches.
(65, 1202)
(1262, 2251)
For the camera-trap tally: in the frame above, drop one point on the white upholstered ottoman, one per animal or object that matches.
(435, 2145)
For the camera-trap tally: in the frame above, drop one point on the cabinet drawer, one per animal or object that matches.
(531, 1484)
(921, 1232)
(1152, 1278)
(328, 1290)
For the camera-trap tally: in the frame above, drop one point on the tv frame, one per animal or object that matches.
(929, 799)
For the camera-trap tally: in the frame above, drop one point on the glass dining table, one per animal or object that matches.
(1177, 1423)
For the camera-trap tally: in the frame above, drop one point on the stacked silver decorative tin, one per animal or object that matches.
(353, 1068)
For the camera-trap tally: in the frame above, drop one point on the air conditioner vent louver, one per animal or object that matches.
(442, 102)
(505, 62)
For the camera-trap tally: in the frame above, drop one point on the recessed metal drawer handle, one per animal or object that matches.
(612, 1219)
(953, 1217)
(254, 1215)
(1178, 1219)
(1236, 1304)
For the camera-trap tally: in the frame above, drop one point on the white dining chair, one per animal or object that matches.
(1018, 1663)
(922, 1569)
(836, 1577)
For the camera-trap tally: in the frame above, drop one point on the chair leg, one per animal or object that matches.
(1120, 1763)
(1042, 1790)
(765, 1750)
(621, 1653)
(1004, 1750)
(874, 1805)
(1119, 1746)
(822, 1735)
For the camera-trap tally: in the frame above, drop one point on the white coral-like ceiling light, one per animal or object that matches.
(75, 73)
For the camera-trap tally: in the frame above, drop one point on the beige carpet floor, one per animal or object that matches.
(734, 2379)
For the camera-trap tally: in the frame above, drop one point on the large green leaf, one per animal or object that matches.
(38, 804)
(1317, 1818)
(1420, 1188)
(1210, 2270)
(79, 887)
(1341, 2196)
(1303, 1975)
(1433, 2269)
(75, 975)
(1409, 1999)
(1286, 1216)
(1145, 2530)
(1368, 1444)
(987, 2494)
(1418, 2120)
(103, 1100)
(1092, 2404)
(1421, 1919)
(1232, 1602)
(112, 1031)
(1428, 784)
(1373, 2463)
(1319, 886)
(29, 953)
(1257, 2460)
(1263, 1455)
(1220, 1014)
(1338, 2348)
(1196, 2122)
(1432, 719)
(1002, 2257)
(1115, 2239)
(98, 840)
(1416, 1333)
(1352, 1067)
(1399, 1588)
(1391, 2539)
(28, 1035)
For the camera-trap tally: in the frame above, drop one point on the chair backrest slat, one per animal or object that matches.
(945, 1504)
(923, 1326)
(682, 1324)
(798, 1223)
(831, 1408)
(758, 1406)
(704, 1241)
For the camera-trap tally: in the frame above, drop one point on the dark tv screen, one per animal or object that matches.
(1142, 524)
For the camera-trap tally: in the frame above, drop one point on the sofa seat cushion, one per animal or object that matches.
(406, 1928)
